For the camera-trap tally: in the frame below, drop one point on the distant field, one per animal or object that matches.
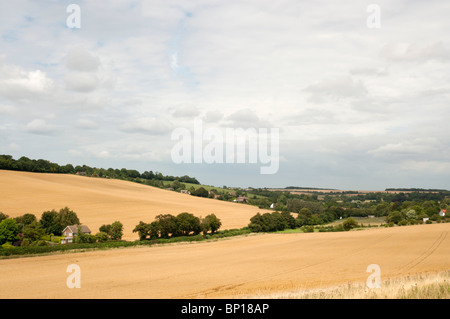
(250, 266)
(376, 221)
(99, 201)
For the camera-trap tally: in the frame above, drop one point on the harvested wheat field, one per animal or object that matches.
(100, 201)
(241, 267)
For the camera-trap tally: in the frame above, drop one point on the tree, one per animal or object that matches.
(188, 223)
(105, 229)
(289, 219)
(116, 231)
(33, 231)
(411, 214)
(394, 217)
(143, 230)
(200, 192)
(54, 222)
(3, 216)
(210, 223)
(256, 223)
(349, 223)
(25, 220)
(49, 222)
(8, 231)
(167, 225)
(67, 217)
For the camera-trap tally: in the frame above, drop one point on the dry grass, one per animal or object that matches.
(422, 286)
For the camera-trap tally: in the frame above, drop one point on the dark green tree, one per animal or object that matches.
(187, 224)
(50, 223)
(8, 231)
(168, 225)
(116, 231)
(33, 231)
(349, 223)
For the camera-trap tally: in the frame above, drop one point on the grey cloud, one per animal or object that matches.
(185, 111)
(40, 127)
(245, 118)
(147, 125)
(81, 81)
(79, 59)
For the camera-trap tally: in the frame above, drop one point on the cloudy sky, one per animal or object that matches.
(358, 105)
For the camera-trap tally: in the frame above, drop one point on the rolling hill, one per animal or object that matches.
(100, 201)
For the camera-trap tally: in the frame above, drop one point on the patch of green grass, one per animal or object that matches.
(290, 231)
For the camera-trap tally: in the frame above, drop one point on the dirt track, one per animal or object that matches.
(100, 201)
(231, 268)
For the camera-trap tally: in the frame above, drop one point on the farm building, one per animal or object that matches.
(242, 199)
(70, 232)
(442, 212)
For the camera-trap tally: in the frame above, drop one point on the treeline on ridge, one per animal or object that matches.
(7, 162)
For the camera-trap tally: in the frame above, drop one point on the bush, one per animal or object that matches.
(307, 229)
(349, 224)
(101, 237)
(403, 222)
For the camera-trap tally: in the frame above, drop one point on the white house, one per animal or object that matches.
(70, 232)
(442, 212)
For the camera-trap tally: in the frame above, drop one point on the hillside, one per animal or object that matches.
(242, 266)
(99, 201)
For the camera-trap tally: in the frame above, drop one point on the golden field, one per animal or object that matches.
(263, 265)
(99, 201)
(241, 267)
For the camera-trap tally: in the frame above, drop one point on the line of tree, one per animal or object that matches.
(269, 222)
(184, 224)
(27, 230)
(7, 162)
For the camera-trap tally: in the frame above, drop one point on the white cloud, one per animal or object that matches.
(39, 126)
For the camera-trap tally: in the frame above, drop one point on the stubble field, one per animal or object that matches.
(250, 266)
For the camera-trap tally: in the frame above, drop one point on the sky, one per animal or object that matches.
(358, 91)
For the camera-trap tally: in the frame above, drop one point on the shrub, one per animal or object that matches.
(349, 224)
(403, 222)
(8, 231)
(101, 237)
(307, 229)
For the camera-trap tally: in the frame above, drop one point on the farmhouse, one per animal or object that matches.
(242, 199)
(442, 212)
(70, 232)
